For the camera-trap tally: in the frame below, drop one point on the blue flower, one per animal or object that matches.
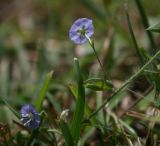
(81, 30)
(29, 116)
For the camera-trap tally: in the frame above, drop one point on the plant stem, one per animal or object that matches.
(125, 84)
(94, 50)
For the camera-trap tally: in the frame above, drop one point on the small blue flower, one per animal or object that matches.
(29, 116)
(81, 30)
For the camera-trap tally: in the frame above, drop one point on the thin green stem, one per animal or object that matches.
(125, 84)
(94, 50)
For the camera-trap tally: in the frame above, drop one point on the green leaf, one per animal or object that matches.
(154, 28)
(53, 101)
(80, 104)
(11, 109)
(74, 90)
(133, 37)
(43, 91)
(98, 84)
(47, 135)
(66, 133)
(145, 23)
(146, 56)
(94, 9)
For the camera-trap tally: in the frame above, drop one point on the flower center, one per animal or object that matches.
(82, 31)
(31, 116)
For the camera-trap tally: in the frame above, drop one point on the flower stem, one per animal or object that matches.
(93, 47)
(124, 84)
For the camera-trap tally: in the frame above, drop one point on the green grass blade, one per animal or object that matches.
(11, 109)
(66, 133)
(133, 37)
(145, 23)
(74, 90)
(43, 91)
(80, 104)
(154, 28)
(94, 9)
(99, 101)
(54, 103)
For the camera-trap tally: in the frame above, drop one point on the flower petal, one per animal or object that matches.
(80, 28)
(29, 116)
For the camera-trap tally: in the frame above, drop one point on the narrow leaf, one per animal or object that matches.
(145, 23)
(54, 103)
(66, 133)
(94, 9)
(80, 104)
(74, 89)
(11, 109)
(154, 28)
(43, 91)
(144, 117)
(133, 37)
(98, 84)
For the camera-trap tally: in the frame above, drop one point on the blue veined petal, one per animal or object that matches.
(88, 25)
(89, 34)
(29, 116)
(80, 28)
